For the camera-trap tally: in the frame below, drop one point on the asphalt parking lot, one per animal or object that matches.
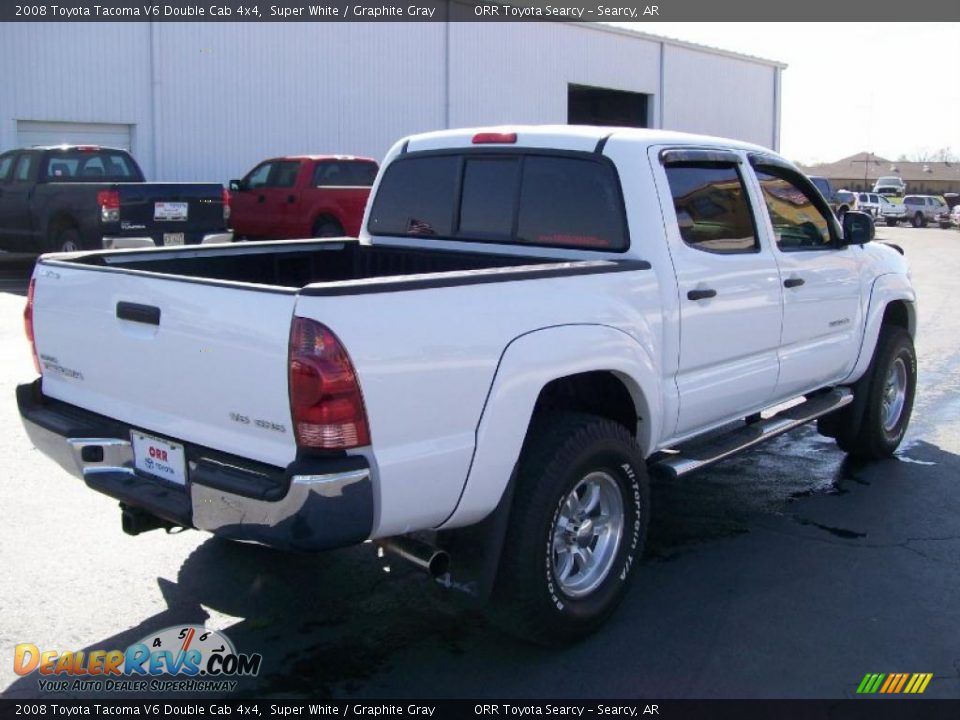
(786, 572)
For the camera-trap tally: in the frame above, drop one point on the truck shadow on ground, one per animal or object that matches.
(337, 624)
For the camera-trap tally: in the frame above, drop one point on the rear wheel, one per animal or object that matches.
(891, 222)
(918, 220)
(66, 240)
(890, 386)
(327, 227)
(577, 528)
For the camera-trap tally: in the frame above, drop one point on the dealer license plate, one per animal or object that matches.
(158, 457)
(173, 238)
(170, 210)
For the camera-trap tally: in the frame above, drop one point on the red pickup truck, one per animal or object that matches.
(302, 196)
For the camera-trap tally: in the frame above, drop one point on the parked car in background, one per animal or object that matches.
(890, 185)
(529, 320)
(302, 196)
(892, 213)
(955, 217)
(87, 197)
(922, 209)
(869, 202)
(826, 189)
(844, 201)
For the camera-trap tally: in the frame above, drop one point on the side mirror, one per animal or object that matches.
(858, 228)
(236, 185)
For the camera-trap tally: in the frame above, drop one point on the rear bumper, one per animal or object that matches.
(111, 242)
(315, 503)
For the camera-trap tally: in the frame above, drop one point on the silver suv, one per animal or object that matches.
(922, 209)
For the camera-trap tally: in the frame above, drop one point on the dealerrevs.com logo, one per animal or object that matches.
(183, 658)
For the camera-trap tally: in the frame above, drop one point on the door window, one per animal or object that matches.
(24, 169)
(6, 162)
(798, 222)
(285, 174)
(344, 174)
(712, 207)
(258, 177)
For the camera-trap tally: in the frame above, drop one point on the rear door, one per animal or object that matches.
(822, 304)
(186, 361)
(729, 289)
(340, 188)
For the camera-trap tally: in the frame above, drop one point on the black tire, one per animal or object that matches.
(891, 223)
(944, 226)
(66, 240)
(327, 227)
(918, 220)
(872, 440)
(563, 450)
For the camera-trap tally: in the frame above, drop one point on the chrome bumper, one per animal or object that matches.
(327, 502)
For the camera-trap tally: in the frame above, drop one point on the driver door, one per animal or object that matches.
(820, 276)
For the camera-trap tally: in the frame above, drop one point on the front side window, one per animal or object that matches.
(548, 200)
(258, 177)
(712, 207)
(6, 164)
(798, 224)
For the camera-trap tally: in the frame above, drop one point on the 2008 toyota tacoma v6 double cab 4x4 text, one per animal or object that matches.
(532, 321)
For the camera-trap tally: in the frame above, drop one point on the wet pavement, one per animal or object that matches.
(788, 571)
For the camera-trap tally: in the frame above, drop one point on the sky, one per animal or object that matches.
(888, 88)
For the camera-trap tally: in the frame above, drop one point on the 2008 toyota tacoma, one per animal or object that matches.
(533, 320)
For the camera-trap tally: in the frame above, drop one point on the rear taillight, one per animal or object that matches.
(28, 326)
(109, 202)
(226, 205)
(325, 399)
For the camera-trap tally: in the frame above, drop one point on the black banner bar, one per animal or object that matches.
(853, 709)
(650, 11)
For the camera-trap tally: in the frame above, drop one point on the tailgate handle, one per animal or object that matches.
(134, 312)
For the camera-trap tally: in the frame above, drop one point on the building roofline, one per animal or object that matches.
(686, 44)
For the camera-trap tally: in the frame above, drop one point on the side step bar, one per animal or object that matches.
(696, 455)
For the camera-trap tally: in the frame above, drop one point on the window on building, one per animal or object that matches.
(588, 105)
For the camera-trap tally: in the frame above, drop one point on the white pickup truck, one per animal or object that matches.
(533, 320)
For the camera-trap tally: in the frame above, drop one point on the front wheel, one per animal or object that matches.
(577, 528)
(890, 387)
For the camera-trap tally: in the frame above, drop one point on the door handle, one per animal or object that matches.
(261, 198)
(701, 294)
(793, 282)
(135, 312)
(291, 198)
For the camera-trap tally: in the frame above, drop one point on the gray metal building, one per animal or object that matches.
(205, 101)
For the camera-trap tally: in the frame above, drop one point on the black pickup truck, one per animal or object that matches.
(73, 197)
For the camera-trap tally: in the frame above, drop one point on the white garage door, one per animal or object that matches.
(33, 132)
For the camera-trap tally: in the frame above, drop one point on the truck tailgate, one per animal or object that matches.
(172, 207)
(186, 360)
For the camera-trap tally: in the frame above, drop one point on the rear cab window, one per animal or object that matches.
(546, 199)
(89, 166)
(344, 173)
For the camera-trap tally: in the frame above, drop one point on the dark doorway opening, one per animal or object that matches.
(600, 106)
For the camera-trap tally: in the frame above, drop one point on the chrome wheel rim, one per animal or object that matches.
(69, 246)
(586, 534)
(894, 394)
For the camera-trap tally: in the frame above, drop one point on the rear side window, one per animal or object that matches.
(344, 174)
(531, 199)
(713, 211)
(92, 166)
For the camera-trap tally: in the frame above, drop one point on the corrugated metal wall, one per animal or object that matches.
(718, 95)
(224, 96)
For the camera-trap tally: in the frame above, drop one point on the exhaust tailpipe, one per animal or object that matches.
(430, 559)
(135, 521)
